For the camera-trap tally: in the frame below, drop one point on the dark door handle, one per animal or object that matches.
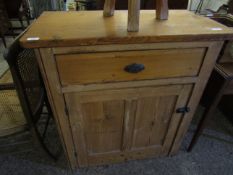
(134, 68)
(183, 110)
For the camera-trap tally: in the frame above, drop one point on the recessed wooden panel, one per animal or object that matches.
(109, 67)
(152, 120)
(103, 124)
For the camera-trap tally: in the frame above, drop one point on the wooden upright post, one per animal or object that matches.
(133, 15)
(162, 9)
(109, 7)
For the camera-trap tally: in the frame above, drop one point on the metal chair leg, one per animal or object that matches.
(3, 40)
(46, 127)
(21, 22)
(207, 115)
(41, 141)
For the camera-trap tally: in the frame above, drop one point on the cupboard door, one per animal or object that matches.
(116, 125)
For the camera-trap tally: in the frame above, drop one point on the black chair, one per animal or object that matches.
(31, 92)
(18, 9)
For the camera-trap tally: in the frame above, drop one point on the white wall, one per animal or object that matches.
(207, 4)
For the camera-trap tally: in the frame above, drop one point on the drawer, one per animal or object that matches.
(110, 66)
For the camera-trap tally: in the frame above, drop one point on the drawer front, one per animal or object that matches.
(111, 66)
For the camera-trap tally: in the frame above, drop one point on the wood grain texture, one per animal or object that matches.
(129, 84)
(162, 9)
(109, 7)
(133, 15)
(207, 67)
(73, 29)
(182, 100)
(51, 79)
(109, 67)
(152, 118)
(112, 115)
(129, 47)
(119, 123)
(138, 117)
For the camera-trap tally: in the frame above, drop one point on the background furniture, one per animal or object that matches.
(146, 4)
(18, 9)
(86, 4)
(220, 84)
(37, 7)
(4, 21)
(230, 4)
(118, 96)
(12, 119)
(31, 91)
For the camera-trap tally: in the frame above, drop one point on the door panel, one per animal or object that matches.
(103, 123)
(152, 120)
(128, 124)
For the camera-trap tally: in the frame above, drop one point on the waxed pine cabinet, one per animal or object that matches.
(117, 95)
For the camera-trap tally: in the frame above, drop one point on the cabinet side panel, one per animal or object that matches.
(50, 77)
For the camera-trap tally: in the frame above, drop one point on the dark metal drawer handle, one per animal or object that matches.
(134, 68)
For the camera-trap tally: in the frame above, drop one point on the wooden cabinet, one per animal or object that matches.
(108, 110)
(115, 115)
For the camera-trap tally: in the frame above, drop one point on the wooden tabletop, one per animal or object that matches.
(54, 29)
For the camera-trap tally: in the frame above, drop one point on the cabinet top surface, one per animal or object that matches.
(54, 29)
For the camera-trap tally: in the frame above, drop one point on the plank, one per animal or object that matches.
(109, 7)
(133, 15)
(129, 93)
(143, 83)
(73, 29)
(77, 127)
(162, 9)
(129, 47)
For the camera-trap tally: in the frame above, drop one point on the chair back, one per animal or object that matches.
(27, 79)
(12, 7)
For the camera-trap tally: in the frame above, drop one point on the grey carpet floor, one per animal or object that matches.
(211, 156)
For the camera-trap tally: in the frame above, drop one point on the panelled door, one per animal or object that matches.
(116, 125)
